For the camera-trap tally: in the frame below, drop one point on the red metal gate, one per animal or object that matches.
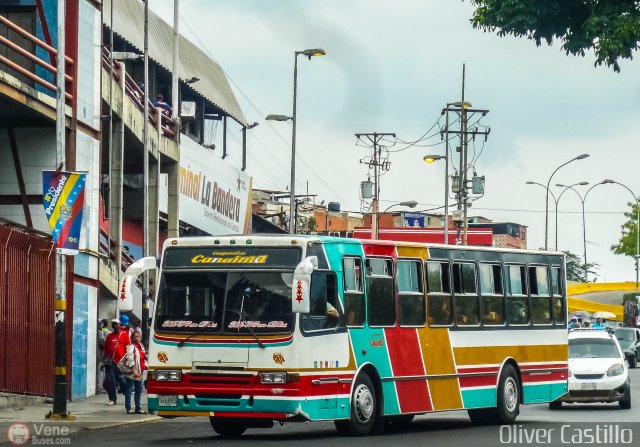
(27, 287)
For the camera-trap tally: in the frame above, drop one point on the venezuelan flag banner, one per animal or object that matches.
(63, 199)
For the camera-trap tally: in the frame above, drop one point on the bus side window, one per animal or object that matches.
(411, 305)
(439, 294)
(540, 296)
(465, 299)
(556, 290)
(324, 310)
(381, 303)
(491, 294)
(353, 293)
(517, 300)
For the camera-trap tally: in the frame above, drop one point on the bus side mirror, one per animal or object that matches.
(125, 294)
(300, 290)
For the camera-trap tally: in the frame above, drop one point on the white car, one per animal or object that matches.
(597, 369)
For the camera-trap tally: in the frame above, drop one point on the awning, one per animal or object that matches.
(128, 19)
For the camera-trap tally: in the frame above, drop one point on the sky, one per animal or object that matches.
(391, 66)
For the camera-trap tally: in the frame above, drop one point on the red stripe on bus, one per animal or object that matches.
(406, 360)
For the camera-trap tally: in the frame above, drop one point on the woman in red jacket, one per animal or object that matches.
(135, 359)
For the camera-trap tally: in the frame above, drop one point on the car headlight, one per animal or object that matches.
(169, 375)
(615, 370)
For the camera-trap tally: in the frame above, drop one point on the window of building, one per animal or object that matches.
(465, 299)
(381, 308)
(411, 302)
(492, 294)
(517, 300)
(353, 293)
(439, 294)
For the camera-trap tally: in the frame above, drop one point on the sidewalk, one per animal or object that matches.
(90, 413)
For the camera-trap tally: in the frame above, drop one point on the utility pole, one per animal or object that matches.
(465, 112)
(378, 166)
(145, 181)
(60, 386)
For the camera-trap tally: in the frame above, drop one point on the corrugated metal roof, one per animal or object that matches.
(128, 18)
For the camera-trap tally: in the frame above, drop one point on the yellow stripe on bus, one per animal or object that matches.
(495, 355)
(438, 359)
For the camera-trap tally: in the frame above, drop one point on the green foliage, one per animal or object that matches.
(610, 27)
(627, 243)
(575, 268)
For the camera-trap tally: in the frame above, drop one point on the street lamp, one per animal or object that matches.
(430, 159)
(556, 200)
(584, 226)
(546, 207)
(309, 53)
(636, 199)
(409, 204)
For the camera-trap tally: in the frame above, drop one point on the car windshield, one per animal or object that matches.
(592, 348)
(624, 334)
(228, 302)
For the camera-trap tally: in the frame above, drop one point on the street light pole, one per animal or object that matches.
(546, 207)
(292, 187)
(431, 159)
(292, 199)
(584, 222)
(636, 199)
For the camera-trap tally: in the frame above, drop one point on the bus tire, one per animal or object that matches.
(555, 405)
(364, 409)
(227, 428)
(508, 396)
(508, 401)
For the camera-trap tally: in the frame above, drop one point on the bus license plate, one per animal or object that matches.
(588, 386)
(168, 401)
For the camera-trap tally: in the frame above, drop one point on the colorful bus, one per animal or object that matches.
(248, 330)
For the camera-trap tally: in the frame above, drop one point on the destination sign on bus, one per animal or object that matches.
(231, 257)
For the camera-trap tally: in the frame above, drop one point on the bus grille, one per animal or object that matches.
(224, 400)
(221, 379)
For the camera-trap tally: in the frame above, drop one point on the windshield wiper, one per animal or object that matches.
(244, 318)
(190, 336)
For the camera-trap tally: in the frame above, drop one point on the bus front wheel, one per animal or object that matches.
(227, 428)
(363, 409)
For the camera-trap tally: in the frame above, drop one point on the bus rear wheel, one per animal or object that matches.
(508, 401)
(363, 409)
(227, 428)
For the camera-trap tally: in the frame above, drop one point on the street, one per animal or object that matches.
(442, 429)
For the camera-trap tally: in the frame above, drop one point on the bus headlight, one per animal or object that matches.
(615, 370)
(168, 375)
(273, 377)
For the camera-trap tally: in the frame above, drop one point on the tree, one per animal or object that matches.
(575, 268)
(610, 27)
(627, 243)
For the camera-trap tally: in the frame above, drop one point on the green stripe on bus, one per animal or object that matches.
(479, 398)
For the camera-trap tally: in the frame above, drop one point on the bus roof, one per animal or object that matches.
(287, 239)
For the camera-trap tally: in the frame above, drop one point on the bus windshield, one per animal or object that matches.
(225, 302)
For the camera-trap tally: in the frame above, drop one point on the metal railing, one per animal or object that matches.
(50, 67)
(158, 119)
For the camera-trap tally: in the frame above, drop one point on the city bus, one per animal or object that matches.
(249, 330)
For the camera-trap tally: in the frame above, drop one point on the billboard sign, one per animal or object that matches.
(63, 200)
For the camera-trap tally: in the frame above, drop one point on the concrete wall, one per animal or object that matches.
(37, 151)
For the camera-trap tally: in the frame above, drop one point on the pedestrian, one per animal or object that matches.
(114, 349)
(574, 324)
(135, 360)
(162, 104)
(599, 324)
(103, 332)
